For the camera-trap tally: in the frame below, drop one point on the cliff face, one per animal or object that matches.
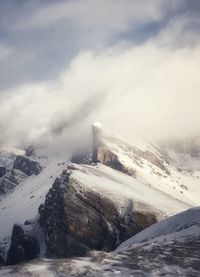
(101, 153)
(76, 219)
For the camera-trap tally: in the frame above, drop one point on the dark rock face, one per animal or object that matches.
(54, 221)
(23, 247)
(1, 261)
(26, 165)
(2, 171)
(75, 220)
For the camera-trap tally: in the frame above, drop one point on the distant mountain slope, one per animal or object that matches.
(149, 164)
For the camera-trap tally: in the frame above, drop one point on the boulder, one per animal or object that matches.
(23, 247)
(2, 171)
(27, 165)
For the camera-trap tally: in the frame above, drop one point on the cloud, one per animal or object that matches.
(147, 88)
(4, 52)
(108, 15)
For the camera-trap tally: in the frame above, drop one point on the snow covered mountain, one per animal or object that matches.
(96, 201)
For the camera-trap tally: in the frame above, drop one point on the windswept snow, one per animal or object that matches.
(153, 168)
(119, 186)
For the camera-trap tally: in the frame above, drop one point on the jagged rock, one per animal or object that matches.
(53, 219)
(2, 262)
(26, 165)
(2, 171)
(75, 220)
(11, 180)
(30, 151)
(9, 177)
(23, 247)
(104, 153)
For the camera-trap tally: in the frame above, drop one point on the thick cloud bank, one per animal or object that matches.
(148, 88)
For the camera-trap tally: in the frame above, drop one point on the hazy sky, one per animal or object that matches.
(132, 64)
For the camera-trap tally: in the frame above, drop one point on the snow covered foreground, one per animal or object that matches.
(180, 227)
(174, 251)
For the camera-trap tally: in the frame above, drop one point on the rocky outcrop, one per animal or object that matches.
(105, 151)
(11, 179)
(23, 246)
(108, 158)
(75, 220)
(1, 261)
(27, 165)
(101, 153)
(2, 171)
(16, 172)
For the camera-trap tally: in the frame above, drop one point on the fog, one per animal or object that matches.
(148, 89)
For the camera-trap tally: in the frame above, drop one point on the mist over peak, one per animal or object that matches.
(141, 81)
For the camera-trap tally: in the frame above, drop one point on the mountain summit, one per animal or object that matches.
(64, 208)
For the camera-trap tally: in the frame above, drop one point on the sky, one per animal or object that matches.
(131, 64)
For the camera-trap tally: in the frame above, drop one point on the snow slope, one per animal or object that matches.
(152, 167)
(121, 187)
(23, 202)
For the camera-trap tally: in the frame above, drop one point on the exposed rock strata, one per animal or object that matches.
(75, 219)
(102, 152)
